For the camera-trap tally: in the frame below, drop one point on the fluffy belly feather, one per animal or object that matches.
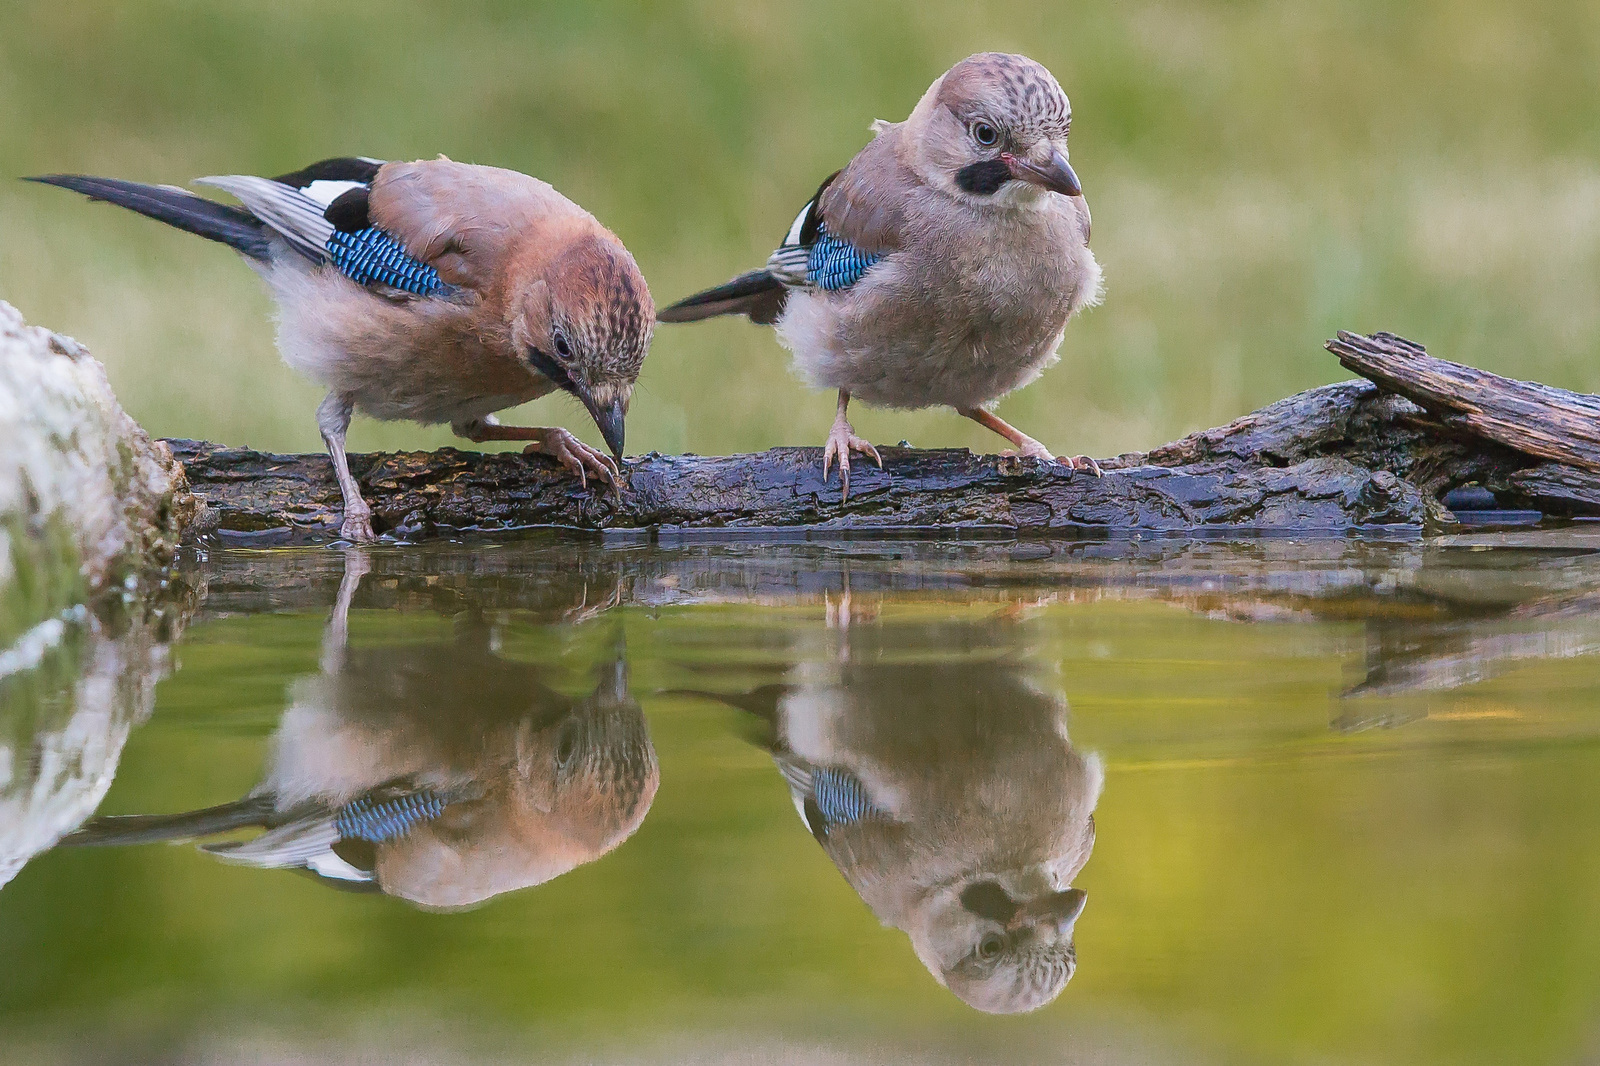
(895, 349)
(422, 361)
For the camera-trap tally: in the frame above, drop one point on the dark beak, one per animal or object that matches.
(1060, 909)
(1053, 174)
(610, 420)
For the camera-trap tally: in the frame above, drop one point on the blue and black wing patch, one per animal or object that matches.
(833, 263)
(841, 798)
(376, 818)
(369, 256)
(828, 797)
(362, 252)
(811, 256)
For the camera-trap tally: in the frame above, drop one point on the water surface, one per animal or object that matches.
(1318, 802)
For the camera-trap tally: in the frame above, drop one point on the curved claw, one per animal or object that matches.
(841, 442)
(577, 457)
(1082, 462)
(357, 526)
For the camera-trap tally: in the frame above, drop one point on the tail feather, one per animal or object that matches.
(247, 813)
(758, 294)
(233, 226)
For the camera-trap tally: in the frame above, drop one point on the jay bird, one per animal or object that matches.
(938, 268)
(432, 291)
(442, 774)
(947, 793)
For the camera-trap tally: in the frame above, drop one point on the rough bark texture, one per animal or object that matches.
(87, 502)
(1341, 458)
(1528, 417)
(86, 497)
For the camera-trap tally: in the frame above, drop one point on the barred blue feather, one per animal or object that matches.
(833, 263)
(841, 797)
(370, 256)
(390, 819)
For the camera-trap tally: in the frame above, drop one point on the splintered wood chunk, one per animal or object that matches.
(1534, 419)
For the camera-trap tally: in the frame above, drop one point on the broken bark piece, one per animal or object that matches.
(1535, 419)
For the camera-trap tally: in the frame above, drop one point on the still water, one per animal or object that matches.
(548, 801)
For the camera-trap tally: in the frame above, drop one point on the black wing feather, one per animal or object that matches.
(348, 212)
(233, 226)
(342, 168)
(757, 294)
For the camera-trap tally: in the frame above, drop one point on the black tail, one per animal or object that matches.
(233, 226)
(761, 728)
(757, 294)
(151, 828)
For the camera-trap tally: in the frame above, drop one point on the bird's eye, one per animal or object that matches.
(985, 134)
(991, 946)
(563, 349)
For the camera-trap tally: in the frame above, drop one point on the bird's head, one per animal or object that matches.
(1003, 943)
(559, 792)
(585, 324)
(594, 772)
(993, 130)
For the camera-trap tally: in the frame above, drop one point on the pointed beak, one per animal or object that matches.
(1053, 174)
(610, 419)
(1060, 909)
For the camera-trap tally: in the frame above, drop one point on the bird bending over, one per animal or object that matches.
(440, 773)
(433, 291)
(941, 265)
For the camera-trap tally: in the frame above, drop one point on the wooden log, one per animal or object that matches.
(1348, 457)
(273, 498)
(1534, 419)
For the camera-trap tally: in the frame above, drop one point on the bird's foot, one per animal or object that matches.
(842, 440)
(1032, 449)
(1029, 449)
(1081, 462)
(578, 457)
(357, 526)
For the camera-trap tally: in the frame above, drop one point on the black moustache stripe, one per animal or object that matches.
(552, 370)
(983, 179)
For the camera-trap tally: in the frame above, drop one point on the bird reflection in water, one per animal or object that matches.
(443, 774)
(932, 764)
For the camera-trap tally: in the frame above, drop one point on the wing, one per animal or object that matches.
(828, 797)
(813, 256)
(466, 221)
(855, 219)
(321, 212)
(338, 842)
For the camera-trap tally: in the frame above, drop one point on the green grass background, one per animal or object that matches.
(1261, 175)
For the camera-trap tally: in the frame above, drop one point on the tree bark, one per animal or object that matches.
(1356, 456)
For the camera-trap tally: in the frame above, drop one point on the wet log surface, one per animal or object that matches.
(1356, 456)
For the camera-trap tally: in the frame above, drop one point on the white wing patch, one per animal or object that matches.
(291, 213)
(793, 236)
(300, 843)
(789, 263)
(326, 192)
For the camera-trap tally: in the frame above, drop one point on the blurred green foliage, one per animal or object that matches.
(1261, 175)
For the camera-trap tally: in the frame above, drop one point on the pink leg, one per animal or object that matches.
(842, 440)
(1026, 445)
(557, 443)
